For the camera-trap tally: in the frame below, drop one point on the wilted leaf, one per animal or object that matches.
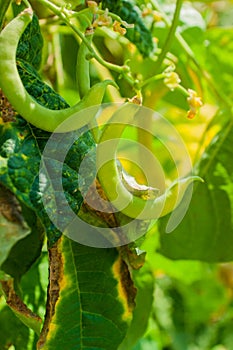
(12, 228)
(19, 308)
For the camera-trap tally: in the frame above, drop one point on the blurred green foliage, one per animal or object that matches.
(192, 306)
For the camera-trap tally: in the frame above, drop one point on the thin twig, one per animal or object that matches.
(171, 35)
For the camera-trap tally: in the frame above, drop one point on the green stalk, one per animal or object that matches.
(26, 2)
(4, 4)
(171, 35)
(104, 73)
(58, 60)
(184, 45)
(152, 80)
(64, 15)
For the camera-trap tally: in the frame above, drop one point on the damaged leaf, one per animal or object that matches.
(19, 308)
(12, 227)
(91, 295)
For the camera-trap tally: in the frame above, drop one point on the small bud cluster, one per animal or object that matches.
(157, 17)
(172, 80)
(194, 102)
(103, 20)
(118, 28)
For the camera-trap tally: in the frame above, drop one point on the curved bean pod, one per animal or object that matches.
(16, 93)
(110, 179)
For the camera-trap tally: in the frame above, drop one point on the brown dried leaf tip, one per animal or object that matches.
(55, 277)
(15, 303)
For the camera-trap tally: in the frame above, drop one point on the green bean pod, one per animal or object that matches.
(83, 66)
(24, 104)
(111, 181)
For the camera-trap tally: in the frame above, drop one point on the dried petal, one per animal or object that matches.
(194, 102)
(117, 28)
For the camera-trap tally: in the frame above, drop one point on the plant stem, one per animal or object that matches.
(184, 45)
(151, 80)
(58, 60)
(26, 2)
(183, 91)
(4, 4)
(170, 36)
(64, 15)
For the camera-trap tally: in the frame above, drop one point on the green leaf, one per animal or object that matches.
(206, 232)
(140, 35)
(12, 227)
(2, 275)
(20, 156)
(17, 262)
(42, 92)
(33, 288)
(25, 315)
(30, 44)
(91, 297)
(34, 285)
(21, 147)
(219, 50)
(10, 233)
(144, 282)
(13, 331)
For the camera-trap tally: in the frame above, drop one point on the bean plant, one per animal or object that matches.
(115, 175)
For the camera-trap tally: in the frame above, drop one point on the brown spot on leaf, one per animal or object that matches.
(7, 112)
(126, 289)
(96, 198)
(127, 285)
(133, 257)
(96, 210)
